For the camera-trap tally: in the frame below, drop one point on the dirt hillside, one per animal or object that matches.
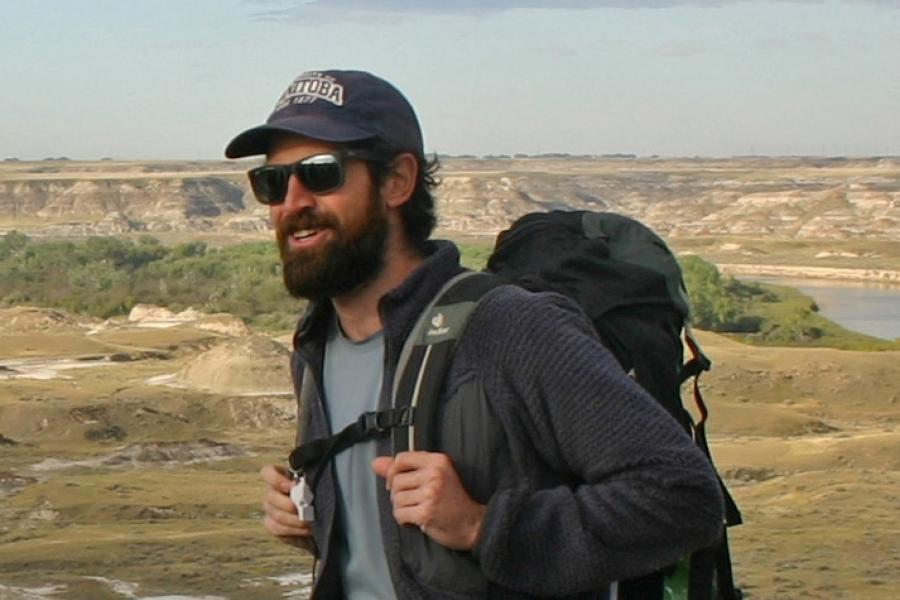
(129, 458)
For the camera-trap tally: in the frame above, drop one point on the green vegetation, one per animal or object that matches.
(105, 277)
(475, 256)
(788, 317)
(765, 314)
(717, 303)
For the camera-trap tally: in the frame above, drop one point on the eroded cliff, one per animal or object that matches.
(788, 198)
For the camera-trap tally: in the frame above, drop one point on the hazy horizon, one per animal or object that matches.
(676, 78)
(465, 155)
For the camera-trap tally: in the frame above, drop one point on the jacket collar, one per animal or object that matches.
(399, 308)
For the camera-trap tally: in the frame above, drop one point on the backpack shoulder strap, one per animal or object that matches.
(305, 401)
(428, 352)
(425, 356)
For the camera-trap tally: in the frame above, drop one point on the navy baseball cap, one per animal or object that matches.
(337, 106)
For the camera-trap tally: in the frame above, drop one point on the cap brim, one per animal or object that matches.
(258, 139)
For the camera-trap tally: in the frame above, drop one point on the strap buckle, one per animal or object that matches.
(376, 423)
(370, 422)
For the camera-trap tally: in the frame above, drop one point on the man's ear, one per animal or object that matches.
(400, 181)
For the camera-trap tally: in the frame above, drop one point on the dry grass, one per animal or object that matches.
(807, 440)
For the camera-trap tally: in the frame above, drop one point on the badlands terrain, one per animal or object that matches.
(750, 215)
(790, 198)
(129, 448)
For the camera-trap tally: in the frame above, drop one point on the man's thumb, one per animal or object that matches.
(381, 464)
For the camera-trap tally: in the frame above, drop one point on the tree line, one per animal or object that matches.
(106, 276)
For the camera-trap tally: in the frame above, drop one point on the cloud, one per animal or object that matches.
(811, 41)
(682, 48)
(344, 10)
(557, 50)
(355, 9)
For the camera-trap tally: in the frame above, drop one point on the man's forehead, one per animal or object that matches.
(286, 143)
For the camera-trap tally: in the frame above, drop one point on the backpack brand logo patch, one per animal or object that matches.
(312, 86)
(438, 325)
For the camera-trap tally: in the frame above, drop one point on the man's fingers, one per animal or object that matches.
(281, 529)
(381, 464)
(404, 498)
(284, 523)
(281, 518)
(409, 480)
(281, 515)
(410, 470)
(406, 462)
(273, 474)
(389, 467)
(278, 505)
(411, 515)
(275, 500)
(277, 478)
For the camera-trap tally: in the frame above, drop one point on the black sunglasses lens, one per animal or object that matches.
(321, 173)
(269, 183)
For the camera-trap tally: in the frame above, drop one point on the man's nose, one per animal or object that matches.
(297, 197)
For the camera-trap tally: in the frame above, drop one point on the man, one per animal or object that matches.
(557, 474)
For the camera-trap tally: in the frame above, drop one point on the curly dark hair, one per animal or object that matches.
(419, 217)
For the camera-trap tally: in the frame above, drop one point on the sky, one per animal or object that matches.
(177, 79)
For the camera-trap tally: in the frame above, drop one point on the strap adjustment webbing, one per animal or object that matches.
(369, 425)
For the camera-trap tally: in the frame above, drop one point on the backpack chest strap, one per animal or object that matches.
(423, 361)
(369, 425)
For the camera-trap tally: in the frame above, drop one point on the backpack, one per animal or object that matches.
(629, 284)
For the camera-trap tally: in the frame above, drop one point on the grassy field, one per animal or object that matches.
(847, 254)
(111, 483)
(115, 487)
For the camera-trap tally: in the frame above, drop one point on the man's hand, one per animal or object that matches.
(281, 515)
(426, 492)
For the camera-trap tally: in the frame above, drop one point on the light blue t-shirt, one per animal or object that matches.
(352, 382)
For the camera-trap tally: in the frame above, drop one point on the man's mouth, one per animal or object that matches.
(306, 233)
(307, 238)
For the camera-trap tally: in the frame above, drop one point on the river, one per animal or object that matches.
(869, 308)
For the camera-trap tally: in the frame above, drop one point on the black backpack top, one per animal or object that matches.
(623, 276)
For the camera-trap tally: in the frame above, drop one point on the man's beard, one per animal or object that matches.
(342, 264)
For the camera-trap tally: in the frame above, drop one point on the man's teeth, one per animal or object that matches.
(304, 233)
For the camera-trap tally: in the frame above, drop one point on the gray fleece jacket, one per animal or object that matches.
(586, 479)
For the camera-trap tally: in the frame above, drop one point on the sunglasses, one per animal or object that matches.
(319, 173)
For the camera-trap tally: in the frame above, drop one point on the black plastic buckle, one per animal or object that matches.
(370, 424)
(376, 423)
